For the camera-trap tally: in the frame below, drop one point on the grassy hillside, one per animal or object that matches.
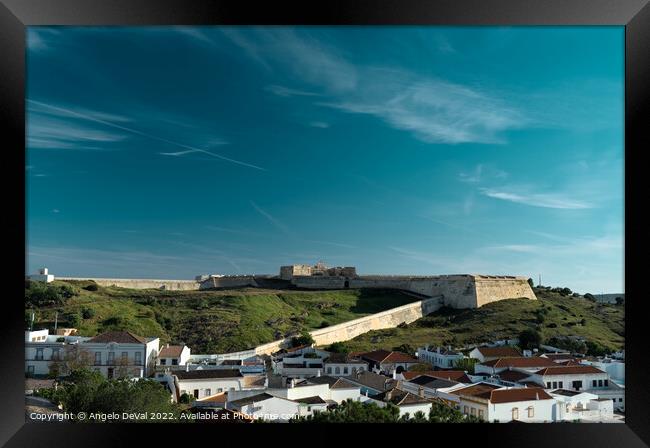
(207, 321)
(560, 316)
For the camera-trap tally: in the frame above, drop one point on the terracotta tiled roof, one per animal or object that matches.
(476, 390)
(207, 374)
(519, 394)
(501, 352)
(334, 383)
(568, 370)
(519, 361)
(557, 356)
(453, 375)
(513, 375)
(372, 380)
(342, 358)
(121, 337)
(382, 356)
(173, 351)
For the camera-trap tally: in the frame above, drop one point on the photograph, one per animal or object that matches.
(324, 224)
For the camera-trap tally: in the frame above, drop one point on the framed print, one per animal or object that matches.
(279, 219)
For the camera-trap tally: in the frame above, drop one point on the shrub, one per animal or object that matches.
(529, 338)
(88, 313)
(92, 287)
(324, 324)
(304, 339)
(185, 398)
(73, 319)
(338, 347)
(591, 297)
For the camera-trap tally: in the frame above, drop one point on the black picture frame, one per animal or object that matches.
(15, 15)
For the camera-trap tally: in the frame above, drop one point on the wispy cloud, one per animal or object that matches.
(277, 223)
(473, 177)
(287, 92)
(333, 243)
(545, 200)
(144, 134)
(319, 124)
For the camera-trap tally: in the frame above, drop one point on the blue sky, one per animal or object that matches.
(167, 152)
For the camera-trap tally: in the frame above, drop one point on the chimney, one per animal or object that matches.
(187, 367)
(421, 392)
(292, 384)
(389, 395)
(394, 374)
(318, 373)
(536, 395)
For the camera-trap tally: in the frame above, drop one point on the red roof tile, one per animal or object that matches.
(568, 370)
(520, 361)
(481, 390)
(173, 351)
(121, 337)
(382, 356)
(453, 375)
(518, 394)
(500, 352)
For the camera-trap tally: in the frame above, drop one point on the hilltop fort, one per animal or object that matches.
(455, 291)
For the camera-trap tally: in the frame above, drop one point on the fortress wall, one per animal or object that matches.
(489, 289)
(318, 282)
(351, 329)
(138, 283)
(229, 282)
(458, 291)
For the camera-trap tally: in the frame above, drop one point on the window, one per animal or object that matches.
(30, 370)
(138, 358)
(174, 362)
(163, 362)
(55, 353)
(465, 410)
(606, 383)
(98, 358)
(561, 384)
(554, 384)
(125, 356)
(220, 389)
(39, 354)
(208, 392)
(594, 383)
(515, 413)
(600, 383)
(337, 370)
(329, 370)
(111, 358)
(481, 414)
(548, 385)
(196, 393)
(531, 412)
(577, 385)
(473, 411)
(345, 370)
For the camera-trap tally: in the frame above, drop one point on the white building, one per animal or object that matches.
(270, 407)
(522, 364)
(113, 354)
(42, 276)
(494, 403)
(207, 382)
(44, 351)
(430, 387)
(581, 406)
(484, 354)
(383, 361)
(339, 364)
(122, 353)
(173, 355)
(441, 357)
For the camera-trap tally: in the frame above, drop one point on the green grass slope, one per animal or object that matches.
(212, 321)
(552, 315)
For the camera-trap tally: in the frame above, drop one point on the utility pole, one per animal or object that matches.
(56, 320)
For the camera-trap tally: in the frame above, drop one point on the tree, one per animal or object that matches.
(466, 365)
(304, 339)
(529, 338)
(531, 282)
(338, 347)
(620, 301)
(92, 287)
(88, 391)
(73, 319)
(591, 297)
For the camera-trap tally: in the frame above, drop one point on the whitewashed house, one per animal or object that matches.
(383, 361)
(173, 355)
(520, 363)
(428, 387)
(42, 276)
(122, 353)
(42, 350)
(206, 382)
(489, 353)
(440, 357)
(339, 390)
(581, 406)
(493, 403)
(340, 364)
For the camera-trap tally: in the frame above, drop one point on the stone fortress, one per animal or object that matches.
(455, 291)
